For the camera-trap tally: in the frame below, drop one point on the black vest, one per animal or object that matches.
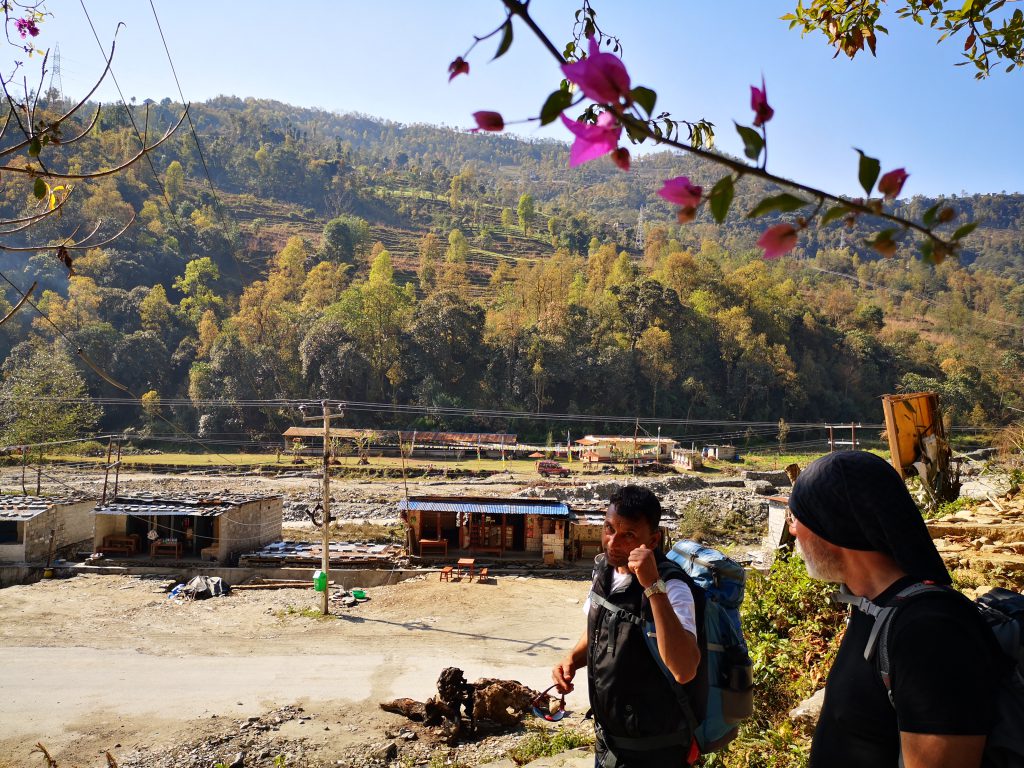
(629, 693)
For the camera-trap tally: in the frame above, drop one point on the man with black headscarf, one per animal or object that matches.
(856, 524)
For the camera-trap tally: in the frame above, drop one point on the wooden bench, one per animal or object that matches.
(441, 544)
(114, 544)
(446, 574)
(482, 575)
(116, 549)
(487, 550)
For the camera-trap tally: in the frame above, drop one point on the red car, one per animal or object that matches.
(548, 468)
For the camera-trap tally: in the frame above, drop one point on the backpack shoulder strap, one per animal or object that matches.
(883, 617)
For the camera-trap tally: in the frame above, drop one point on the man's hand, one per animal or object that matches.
(562, 674)
(643, 565)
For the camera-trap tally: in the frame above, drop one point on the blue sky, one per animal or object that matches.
(909, 106)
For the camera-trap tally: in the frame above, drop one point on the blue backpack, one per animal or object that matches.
(730, 683)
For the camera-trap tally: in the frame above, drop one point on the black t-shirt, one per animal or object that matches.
(944, 665)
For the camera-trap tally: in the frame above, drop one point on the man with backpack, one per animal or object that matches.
(916, 679)
(640, 720)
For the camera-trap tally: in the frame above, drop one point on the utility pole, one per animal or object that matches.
(325, 560)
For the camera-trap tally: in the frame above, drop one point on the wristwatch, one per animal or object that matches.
(656, 588)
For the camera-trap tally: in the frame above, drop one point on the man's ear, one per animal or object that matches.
(655, 541)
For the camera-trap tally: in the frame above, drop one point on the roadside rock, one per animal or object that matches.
(778, 478)
(808, 711)
(762, 487)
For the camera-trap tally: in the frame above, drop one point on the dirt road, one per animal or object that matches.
(109, 662)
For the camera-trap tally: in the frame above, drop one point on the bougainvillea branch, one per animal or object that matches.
(618, 106)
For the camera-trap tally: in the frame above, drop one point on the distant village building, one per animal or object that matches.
(687, 459)
(720, 452)
(216, 528)
(27, 524)
(598, 448)
(452, 445)
(441, 525)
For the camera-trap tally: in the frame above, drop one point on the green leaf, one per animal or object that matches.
(752, 141)
(928, 251)
(784, 202)
(645, 97)
(868, 171)
(506, 39)
(965, 230)
(556, 102)
(721, 198)
(836, 212)
(928, 219)
(39, 189)
(34, 147)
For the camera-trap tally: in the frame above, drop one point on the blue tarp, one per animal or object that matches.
(552, 509)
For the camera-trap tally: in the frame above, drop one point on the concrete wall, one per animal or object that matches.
(107, 525)
(12, 553)
(72, 524)
(249, 527)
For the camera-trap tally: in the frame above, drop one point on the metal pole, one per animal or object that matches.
(326, 560)
(106, 468)
(117, 473)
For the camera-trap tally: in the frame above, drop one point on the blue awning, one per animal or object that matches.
(552, 509)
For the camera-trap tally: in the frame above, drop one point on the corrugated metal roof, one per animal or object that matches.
(26, 507)
(495, 507)
(160, 509)
(207, 506)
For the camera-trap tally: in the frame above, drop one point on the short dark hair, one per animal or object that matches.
(635, 503)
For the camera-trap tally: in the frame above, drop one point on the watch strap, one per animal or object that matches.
(657, 587)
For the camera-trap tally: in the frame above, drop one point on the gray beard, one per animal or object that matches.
(822, 565)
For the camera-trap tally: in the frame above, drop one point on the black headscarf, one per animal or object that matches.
(856, 500)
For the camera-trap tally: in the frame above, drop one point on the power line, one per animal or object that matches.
(131, 119)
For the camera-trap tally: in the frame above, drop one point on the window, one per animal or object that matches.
(9, 532)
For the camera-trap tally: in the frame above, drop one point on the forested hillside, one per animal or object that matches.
(304, 254)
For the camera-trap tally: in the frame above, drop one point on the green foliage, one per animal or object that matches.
(527, 212)
(793, 633)
(36, 381)
(543, 741)
(993, 36)
(343, 237)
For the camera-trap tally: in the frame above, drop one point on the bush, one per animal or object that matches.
(544, 742)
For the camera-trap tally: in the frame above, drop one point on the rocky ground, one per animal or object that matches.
(96, 664)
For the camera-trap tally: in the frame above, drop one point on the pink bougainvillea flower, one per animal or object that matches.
(686, 214)
(891, 183)
(778, 240)
(620, 157)
(458, 67)
(592, 141)
(601, 76)
(681, 192)
(488, 121)
(26, 27)
(759, 103)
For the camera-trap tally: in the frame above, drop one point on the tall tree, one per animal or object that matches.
(43, 396)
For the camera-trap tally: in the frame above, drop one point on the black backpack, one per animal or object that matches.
(1003, 612)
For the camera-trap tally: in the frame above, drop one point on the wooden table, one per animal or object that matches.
(170, 548)
(468, 563)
